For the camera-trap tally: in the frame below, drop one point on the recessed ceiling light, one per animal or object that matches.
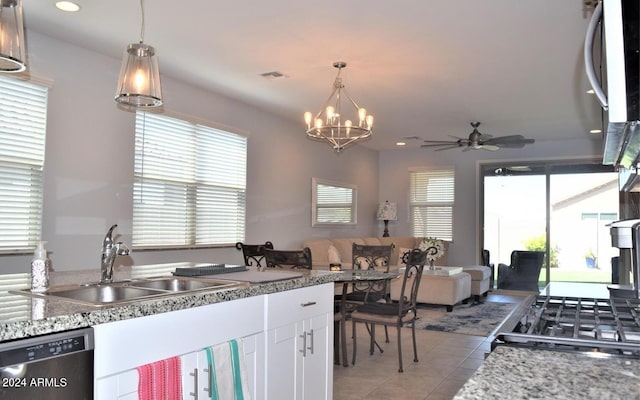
(590, 91)
(401, 144)
(595, 131)
(68, 6)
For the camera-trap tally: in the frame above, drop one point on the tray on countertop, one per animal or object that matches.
(254, 276)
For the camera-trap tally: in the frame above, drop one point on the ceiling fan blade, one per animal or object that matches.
(451, 147)
(489, 147)
(439, 144)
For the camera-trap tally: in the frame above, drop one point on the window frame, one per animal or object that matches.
(201, 139)
(441, 230)
(353, 206)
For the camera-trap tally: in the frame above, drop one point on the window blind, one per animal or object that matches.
(189, 184)
(431, 201)
(334, 204)
(23, 116)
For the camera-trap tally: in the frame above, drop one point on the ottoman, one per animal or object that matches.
(480, 280)
(439, 289)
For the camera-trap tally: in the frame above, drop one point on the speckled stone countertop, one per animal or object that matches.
(24, 316)
(517, 373)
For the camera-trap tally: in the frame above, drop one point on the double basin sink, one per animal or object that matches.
(122, 292)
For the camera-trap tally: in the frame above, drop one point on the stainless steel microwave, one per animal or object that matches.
(618, 91)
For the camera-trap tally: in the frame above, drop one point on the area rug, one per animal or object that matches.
(478, 319)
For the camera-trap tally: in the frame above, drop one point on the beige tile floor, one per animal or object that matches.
(446, 361)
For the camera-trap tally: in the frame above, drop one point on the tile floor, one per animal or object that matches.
(446, 361)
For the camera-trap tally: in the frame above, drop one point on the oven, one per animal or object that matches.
(601, 327)
(49, 367)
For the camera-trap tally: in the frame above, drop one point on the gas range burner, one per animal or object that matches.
(602, 327)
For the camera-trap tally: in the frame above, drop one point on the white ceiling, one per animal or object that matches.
(423, 68)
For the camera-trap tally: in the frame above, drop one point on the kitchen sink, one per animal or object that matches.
(131, 291)
(103, 294)
(175, 284)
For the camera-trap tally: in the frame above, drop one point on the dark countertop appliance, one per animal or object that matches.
(625, 235)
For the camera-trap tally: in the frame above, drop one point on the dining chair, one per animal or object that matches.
(394, 314)
(366, 257)
(298, 259)
(254, 253)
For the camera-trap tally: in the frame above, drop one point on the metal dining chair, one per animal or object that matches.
(254, 253)
(394, 314)
(295, 259)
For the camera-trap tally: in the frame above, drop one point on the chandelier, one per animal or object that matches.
(331, 123)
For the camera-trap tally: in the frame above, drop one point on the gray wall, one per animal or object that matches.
(465, 250)
(89, 165)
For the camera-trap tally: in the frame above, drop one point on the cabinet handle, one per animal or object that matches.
(304, 344)
(311, 336)
(195, 383)
(208, 388)
(307, 304)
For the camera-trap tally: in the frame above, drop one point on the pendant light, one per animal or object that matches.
(12, 50)
(139, 81)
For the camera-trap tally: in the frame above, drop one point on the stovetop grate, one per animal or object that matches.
(579, 324)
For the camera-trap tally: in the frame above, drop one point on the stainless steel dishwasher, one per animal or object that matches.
(49, 367)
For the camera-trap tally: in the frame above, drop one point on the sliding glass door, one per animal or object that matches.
(559, 208)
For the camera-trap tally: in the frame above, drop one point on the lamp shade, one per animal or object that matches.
(12, 47)
(139, 81)
(387, 211)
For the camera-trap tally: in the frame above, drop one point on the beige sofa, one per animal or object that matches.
(338, 250)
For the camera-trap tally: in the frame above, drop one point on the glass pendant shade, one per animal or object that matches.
(12, 47)
(139, 81)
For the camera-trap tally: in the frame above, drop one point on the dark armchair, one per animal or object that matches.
(523, 273)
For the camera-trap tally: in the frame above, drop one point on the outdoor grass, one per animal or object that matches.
(577, 275)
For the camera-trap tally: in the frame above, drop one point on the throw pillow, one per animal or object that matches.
(334, 255)
(403, 256)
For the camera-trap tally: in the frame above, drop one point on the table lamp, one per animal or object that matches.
(387, 212)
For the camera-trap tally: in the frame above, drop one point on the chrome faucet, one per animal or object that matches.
(109, 252)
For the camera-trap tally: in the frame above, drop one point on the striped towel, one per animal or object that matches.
(160, 380)
(228, 371)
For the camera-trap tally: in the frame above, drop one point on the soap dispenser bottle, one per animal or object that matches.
(40, 269)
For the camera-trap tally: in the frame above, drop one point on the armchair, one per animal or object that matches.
(523, 273)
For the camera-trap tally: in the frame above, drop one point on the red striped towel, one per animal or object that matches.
(160, 380)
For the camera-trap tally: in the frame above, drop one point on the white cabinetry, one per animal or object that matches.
(299, 338)
(122, 346)
(287, 339)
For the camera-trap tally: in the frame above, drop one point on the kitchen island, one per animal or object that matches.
(283, 325)
(516, 373)
(39, 316)
(555, 371)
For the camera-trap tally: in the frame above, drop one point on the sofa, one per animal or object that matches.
(434, 289)
(338, 250)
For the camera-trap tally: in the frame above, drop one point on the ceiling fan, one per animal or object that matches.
(479, 140)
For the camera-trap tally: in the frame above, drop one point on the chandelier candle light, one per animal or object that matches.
(331, 125)
(139, 81)
(387, 212)
(12, 47)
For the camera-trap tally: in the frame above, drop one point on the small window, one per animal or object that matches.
(431, 195)
(333, 203)
(23, 121)
(189, 184)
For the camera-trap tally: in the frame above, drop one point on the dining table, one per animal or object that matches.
(342, 308)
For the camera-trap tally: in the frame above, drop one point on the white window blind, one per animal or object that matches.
(333, 203)
(189, 184)
(431, 203)
(23, 116)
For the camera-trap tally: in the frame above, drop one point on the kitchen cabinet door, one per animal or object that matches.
(299, 337)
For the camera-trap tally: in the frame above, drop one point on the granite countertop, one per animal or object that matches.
(518, 373)
(25, 316)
